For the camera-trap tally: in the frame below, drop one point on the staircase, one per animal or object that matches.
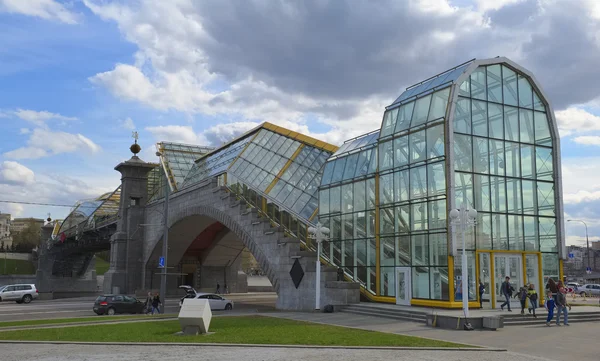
(516, 319)
(386, 311)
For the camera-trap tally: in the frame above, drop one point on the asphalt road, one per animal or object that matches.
(82, 307)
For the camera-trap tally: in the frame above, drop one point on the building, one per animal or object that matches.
(595, 245)
(19, 224)
(5, 236)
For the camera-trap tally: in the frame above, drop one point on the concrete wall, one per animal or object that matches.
(19, 256)
(13, 279)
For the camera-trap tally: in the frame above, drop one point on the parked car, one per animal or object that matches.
(190, 292)
(216, 302)
(113, 304)
(574, 285)
(23, 293)
(591, 289)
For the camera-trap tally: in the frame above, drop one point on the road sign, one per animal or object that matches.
(161, 262)
(589, 269)
(571, 255)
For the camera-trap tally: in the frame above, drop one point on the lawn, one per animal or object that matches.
(16, 267)
(56, 321)
(237, 330)
(101, 266)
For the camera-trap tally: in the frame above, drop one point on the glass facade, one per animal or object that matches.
(178, 159)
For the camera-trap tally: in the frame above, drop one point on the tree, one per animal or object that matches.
(27, 239)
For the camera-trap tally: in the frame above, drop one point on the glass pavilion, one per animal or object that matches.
(481, 134)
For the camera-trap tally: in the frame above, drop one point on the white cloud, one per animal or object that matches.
(24, 131)
(576, 120)
(44, 143)
(15, 173)
(39, 118)
(174, 133)
(581, 197)
(45, 9)
(587, 140)
(486, 5)
(127, 124)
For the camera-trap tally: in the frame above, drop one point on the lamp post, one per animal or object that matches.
(319, 233)
(165, 245)
(587, 241)
(463, 217)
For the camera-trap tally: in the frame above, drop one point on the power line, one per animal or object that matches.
(46, 204)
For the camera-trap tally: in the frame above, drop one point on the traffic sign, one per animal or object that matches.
(589, 269)
(161, 262)
(571, 255)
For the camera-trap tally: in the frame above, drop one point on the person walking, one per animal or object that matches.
(481, 292)
(148, 304)
(550, 305)
(156, 304)
(533, 299)
(507, 290)
(561, 306)
(218, 288)
(522, 296)
(552, 287)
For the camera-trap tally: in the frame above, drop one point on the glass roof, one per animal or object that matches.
(356, 165)
(432, 83)
(215, 163)
(178, 159)
(104, 206)
(362, 141)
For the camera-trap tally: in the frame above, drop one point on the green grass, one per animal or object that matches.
(57, 321)
(237, 330)
(16, 267)
(101, 266)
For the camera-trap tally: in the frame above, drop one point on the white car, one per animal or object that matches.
(22, 293)
(591, 289)
(216, 302)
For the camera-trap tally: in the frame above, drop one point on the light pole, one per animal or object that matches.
(463, 217)
(165, 246)
(319, 233)
(587, 241)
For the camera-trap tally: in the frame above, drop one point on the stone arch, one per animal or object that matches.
(179, 214)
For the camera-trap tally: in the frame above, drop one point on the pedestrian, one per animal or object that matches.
(522, 296)
(226, 289)
(550, 305)
(552, 287)
(507, 290)
(156, 304)
(481, 292)
(218, 288)
(561, 306)
(533, 299)
(148, 304)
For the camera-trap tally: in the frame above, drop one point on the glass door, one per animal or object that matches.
(485, 276)
(532, 274)
(403, 287)
(510, 265)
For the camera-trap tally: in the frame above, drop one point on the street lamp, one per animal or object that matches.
(463, 217)
(165, 246)
(587, 241)
(319, 233)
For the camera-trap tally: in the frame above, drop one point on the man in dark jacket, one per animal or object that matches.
(507, 291)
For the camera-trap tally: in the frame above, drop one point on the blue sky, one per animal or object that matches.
(76, 77)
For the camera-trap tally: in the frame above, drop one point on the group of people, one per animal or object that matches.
(556, 298)
(152, 304)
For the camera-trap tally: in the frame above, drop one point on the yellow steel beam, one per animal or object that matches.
(301, 137)
(451, 277)
(243, 150)
(285, 167)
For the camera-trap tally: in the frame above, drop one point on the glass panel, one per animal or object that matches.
(347, 226)
(529, 197)
(470, 276)
(526, 125)
(485, 272)
(335, 200)
(351, 164)
(481, 156)
(371, 193)
(401, 151)
(495, 114)
(525, 93)
(403, 219)
(417, 146)
(386, 220)
(336, 228)
(496, 149)
(542, 130)
(388, 281)
(404, 116)
(438, 104)
(499, 225)
(386, 155)
(509, 85)
(511, 123)
(363, 163)
(498, 191)
(420, 250)
(324, 201)
(484, 231)
(515, 232)
(403, 250)
(387, 252)
(360, 225)
(465, 88)
(545, 198)
(438, 249)
(386, 188)
(463, 153)
(543, 163)
(436, 178)
(548, 240)
(421, 110)
(483, 200)
(389, 122)
(531, 233)
(550, 267)
(494, 83)
(418, 182)
(462, 116)
(360, 196)
(512, 159)
(347, 201)
(401, 185)
(478, 84)
(420, 282)
(419, 217)
(437, 214)
(338, 171)
(527, 161)
(463, 190)
(537, 103)
(479, 118)
(435, 141)
(513, 195)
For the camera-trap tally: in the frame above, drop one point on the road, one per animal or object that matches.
(82, 307)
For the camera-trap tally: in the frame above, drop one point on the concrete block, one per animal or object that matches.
(195, 316)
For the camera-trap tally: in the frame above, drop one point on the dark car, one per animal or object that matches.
(112, 304)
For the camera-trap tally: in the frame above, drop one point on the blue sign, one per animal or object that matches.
(589, 269)
(571, 255)
(161, 262)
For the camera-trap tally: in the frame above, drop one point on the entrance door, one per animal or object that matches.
(403, 294)
(507, 265)
(485, 276)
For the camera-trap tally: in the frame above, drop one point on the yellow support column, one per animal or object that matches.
(561, 273)
(542, 289)
(451, 277)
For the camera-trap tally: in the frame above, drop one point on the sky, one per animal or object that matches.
(77, 77)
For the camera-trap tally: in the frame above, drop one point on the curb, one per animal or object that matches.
(75, 324)
(251, 345)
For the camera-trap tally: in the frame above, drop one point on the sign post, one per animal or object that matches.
(161, 262)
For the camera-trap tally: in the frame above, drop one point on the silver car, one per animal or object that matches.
(590, 290)
(23, 293)
(216, 302)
